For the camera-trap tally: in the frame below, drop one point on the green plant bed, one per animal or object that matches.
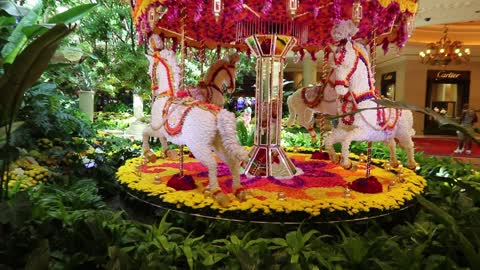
(112, 120)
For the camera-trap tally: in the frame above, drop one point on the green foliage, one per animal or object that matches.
(23, 63)
(245, 135)
(298, 139)
(114, 62)
(111, 120)
(51, 114)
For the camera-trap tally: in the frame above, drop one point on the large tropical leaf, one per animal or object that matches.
(18, 40)
(73, 14)
(27, 68)
(13, 9)
(70, 16)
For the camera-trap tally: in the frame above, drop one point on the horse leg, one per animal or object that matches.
(406, 143)
(203, 153)
(146, 134)
(163, 142)
(306, 120)
(392, 146)
(331, 139)
(345, 160)
(292, 110)
(234, 166)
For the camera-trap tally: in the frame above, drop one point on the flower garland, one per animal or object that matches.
(176, 127)
(168, 69)
(348, 105)
(318, 91)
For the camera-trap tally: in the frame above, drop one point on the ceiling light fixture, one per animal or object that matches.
(445, 51)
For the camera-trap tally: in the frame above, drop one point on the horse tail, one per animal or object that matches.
(291, 110)
(226, 125)
(409, 118)
(405, 123)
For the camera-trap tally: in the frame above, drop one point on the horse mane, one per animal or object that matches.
(170, 57)
(213, 68)
(362, 47)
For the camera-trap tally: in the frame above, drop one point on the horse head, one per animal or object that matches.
(352, 65)
(222, 73)
(164, 71)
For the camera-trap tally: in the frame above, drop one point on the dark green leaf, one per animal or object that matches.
(16, 210)
(3, 135)
(38, 259)
(8, 152)
(36, 29)
(73, 14)
(7, 21)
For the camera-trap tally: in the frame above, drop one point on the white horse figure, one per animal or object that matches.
(308, 100)
(354, 84)
(220, 74)
(202, 127)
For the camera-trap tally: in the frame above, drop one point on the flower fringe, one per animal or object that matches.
(314, 198)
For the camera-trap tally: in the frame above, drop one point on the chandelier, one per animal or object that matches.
(444, 52)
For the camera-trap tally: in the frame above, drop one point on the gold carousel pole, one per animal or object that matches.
(322, 116)
(373, 55)
(182, 75)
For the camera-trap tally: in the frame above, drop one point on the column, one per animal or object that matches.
(86, 103)
(309, 71)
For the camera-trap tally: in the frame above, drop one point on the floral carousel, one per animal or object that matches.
(217, 177)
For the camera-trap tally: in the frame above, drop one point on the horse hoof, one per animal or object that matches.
(351, 166)
(241, 194)
(413, 166)
(221, 198)
(394, 164)
(335, 157)
(171, 154)
(150, 155)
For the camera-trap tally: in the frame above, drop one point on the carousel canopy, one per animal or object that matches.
(216, 23)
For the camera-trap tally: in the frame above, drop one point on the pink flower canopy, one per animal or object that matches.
(387, 20)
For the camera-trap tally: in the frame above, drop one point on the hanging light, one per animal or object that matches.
(161, 10)
(217, 8)
(410, 25)
(152, 17)
(292, 7)
(357, 12)
(444, 52)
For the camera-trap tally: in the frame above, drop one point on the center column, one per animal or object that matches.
(267, 158)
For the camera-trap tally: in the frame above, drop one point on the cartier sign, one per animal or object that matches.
(389, 76)
(455, 75)
(447, 75)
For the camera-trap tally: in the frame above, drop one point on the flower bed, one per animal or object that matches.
(320, 193)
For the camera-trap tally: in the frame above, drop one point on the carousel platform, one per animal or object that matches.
(325, 192)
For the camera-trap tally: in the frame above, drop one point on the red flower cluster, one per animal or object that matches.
(366, 185)
(181, 182)
(320, 155)
(182, 94)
